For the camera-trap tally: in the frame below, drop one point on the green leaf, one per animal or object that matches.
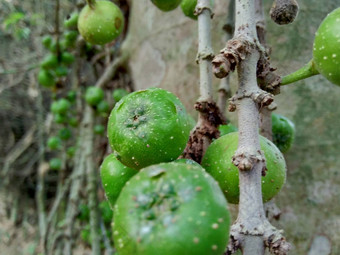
(12, 19)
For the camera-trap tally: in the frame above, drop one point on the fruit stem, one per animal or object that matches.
(91, 3)
(304, 72)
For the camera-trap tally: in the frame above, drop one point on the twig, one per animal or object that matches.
(76, 186)
(92, 183)
(209, 114)
(56, 27)
(111, 70)
(16, 151)
(40, 188)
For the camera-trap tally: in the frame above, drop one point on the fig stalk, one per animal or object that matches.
(304, 72)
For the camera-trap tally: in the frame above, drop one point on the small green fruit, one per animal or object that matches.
(73, 122)
(67, 58)
(171, 208)
(218, 162)
(47, 41)
(61, 71)
(85, 234)
(106, 212)
(61, 106)
(60, 118)
(71, 36)
(166, 5)
(94, 95)
(55, 164)
(101, 24)
(118, 94)
(114, 175)
(71, 96)
(65, 133)
(54, 143)
(147, 127)
(283, 132)
(326, 49)
(45, 78)
(103, 107)
(188, 8)
(49, 62)
(71, 21)
(71, 151)
(99, 129)
(84, 213)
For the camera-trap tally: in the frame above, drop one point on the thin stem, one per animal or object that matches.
(92, 186)
(57, 30)
(304, 72)
(205, 51)
(41, 193)
(224, 89)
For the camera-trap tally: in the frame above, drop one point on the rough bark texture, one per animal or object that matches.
(163, 50)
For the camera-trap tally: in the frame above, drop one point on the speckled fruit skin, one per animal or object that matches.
(166, 5)
(186, 161)
(148, 127)
(188, 8)
(326, 49)
(171, 208)
(217, 162)
(114, 175)
(102, 24)
(283, 132)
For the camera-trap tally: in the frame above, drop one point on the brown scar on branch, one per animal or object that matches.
(266, 78)
(205, 131)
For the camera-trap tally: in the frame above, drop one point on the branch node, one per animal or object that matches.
(235, 51)
(245, 160)
(200, 8)
(205, 54)
(262, 98)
